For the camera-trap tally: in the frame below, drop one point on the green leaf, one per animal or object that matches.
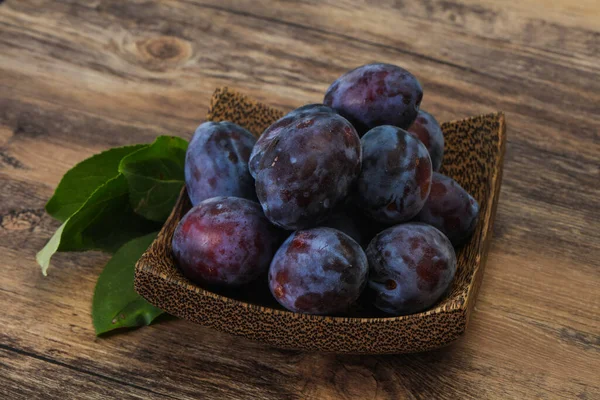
(155, 177)
(116, 304)
(44, 255)
(104, 222)
(83, 179)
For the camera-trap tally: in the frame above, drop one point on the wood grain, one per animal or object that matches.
(78, 76)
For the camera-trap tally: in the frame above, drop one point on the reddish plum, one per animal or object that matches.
(450, 209)
(411, 267)
(318, 271)
(307, 170)
(427, 130)
(225, 241)
(376, 94)
(273, 131)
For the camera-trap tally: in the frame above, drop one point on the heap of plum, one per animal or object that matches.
(359, 169)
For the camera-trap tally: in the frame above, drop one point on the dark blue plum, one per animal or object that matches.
(225, 241)
(427, 130)
(318, 271)
(216, 162)
(273, 131)
(411, 267)
(343, 222)
(396, 175)
(450, 209)
(376, 94)
(307, 170)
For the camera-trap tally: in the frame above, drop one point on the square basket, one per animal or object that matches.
(473, 156)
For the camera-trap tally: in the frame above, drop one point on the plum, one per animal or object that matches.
(427, 130)
(411, 266)
(342, 221)
(225, 241)
(450, 209)
(396, 175)
(376, 94)
(307, 170)
(216, 162)
(274, 129)
(318, 271)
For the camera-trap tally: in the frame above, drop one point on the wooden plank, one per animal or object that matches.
(31, 376)
(78, 77)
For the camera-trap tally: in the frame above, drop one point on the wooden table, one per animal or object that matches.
(77, 77)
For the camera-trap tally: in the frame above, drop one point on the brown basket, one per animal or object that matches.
(473, 156)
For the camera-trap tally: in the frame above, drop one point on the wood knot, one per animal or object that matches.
(21, 220)
(355, 381)
(163, 52)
